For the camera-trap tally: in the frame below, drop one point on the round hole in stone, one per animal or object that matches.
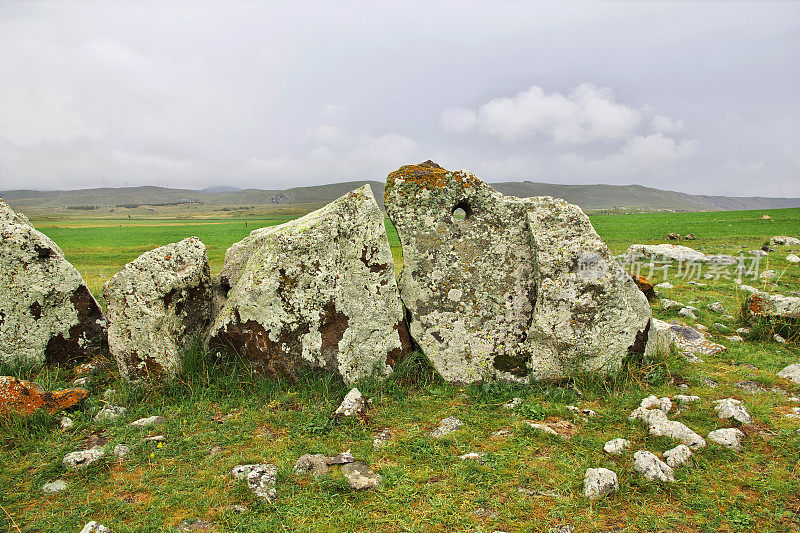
(461, 211)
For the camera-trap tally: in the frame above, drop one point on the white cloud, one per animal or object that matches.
(667, 125)
(656, 148)
(328, 135)
(588, 113)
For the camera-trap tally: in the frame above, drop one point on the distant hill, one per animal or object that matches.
(589, 197)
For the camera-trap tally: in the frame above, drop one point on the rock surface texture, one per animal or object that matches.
(773, 305)
(652, 468)
(158, 304)
(315, 292)
(47, 315)
(599, 482)
(674, 252)
(25, 397)
(791, 372)
(515, 289)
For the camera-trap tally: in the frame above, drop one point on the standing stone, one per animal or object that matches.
(316, 292)
(47, 314)
(158, 304)
(517, 289)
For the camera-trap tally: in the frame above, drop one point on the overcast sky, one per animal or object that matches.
(689, 96)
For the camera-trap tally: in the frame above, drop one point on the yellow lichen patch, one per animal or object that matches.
(24, 397)
(428, 175)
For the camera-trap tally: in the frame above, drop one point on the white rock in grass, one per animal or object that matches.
(688, 313)
(777, 338)
(512, 403)
(792, 258)
(653, 402)
(447, 426)
(66, 422)
(352, 404)
(110, 412)
(149, 421)
(95, 527)
(791, 372)
(616, 446)
(54, 486)
(599, 482)
(677, 455)
(121, 450)
(472, 456)
(652, 468)
(659, 425)
(685, 400)
(665, 285)
(717, 307)
(728, 437)
(360, 476)
(732, 408)
(82, 459)
(261, 479)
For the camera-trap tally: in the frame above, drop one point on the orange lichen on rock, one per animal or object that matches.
(24, 397)
(428, 175)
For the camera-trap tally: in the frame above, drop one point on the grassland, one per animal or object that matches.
(528, 481)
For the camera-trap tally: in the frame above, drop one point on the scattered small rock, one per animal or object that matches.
(710, 383)
(669, 304)
(149, 421)
(750, 386)
(791, 372)
(734, 338)
(313, 464)
(792, 258)
(685, 400)
(583, 413)
(717, 307)
(743, 331)
(616, 446)
(688, 313)
(780, 340)
(261, 479)
(54, 486)
(599, 482)
(360, 476)
(95, 527)
(652, 468)
(653, 402)
(732, 408)
(677, 455)
(353, 404)
(472, 456)
(659, 425)
(728, 437)
(665, 285)
(513, 403)
(66, 422)
(82, 459)
(110, 412)
(446, 426)
(194, 524)
(85, 369)
(80, 382)
(382, 438)
(341, 459)
(121, 450)
(155, 438)
(214, 451)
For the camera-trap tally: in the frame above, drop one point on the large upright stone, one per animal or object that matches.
(518, 288)
(47, 314)
(316, 292)
(158, 304)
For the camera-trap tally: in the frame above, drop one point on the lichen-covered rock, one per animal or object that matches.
(674, 252)
(316, 292)
(25, 397)
(47, 315)
(360, 476)
(353, 404)
(262, 479)
(83, 458)
(773, 305)
(732, 408)
(158, 304)
(447, 426)
(784, 240)
(659, 425)
(791, 372)
(517, 289)
(652, 468)
(663, 336)
(599, 482)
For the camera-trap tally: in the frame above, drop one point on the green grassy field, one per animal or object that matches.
(528, 481)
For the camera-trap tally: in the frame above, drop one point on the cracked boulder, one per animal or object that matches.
(508, 288)
(316, 292)
(158, 304)
(47, 314)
